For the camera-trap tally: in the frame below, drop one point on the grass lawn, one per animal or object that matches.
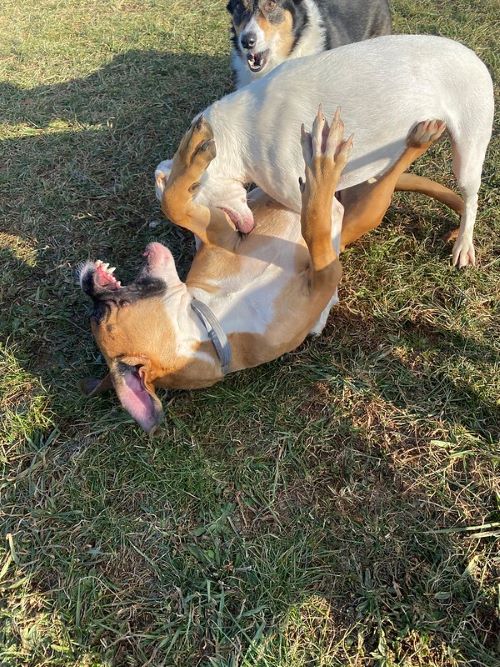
(338, 507)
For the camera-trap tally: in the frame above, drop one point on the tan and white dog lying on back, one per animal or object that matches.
(384, 86)
(266, 290)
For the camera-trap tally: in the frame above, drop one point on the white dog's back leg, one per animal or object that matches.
(468, 157)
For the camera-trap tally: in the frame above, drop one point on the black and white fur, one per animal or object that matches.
(265, 33)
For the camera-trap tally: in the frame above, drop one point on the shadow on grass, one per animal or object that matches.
(403, 380)
(81, 185)
(286, 484)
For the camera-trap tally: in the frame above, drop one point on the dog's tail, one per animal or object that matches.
(413, 183)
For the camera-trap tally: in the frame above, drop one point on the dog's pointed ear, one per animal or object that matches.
(136, 392)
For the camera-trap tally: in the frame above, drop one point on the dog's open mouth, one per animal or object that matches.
(104, 275)
(257, 61)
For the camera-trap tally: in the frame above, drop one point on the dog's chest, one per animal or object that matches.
(246, 302)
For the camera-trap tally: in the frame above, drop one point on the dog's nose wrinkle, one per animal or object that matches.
(248, 40)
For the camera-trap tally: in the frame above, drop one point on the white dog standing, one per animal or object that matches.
(384, 87)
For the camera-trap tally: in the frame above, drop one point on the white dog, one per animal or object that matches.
(384, 87)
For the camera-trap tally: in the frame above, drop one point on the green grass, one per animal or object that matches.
(338, 507)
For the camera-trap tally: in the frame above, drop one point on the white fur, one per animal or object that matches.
(246, 301)
(384, 87)
(254, 27)
(249, 305)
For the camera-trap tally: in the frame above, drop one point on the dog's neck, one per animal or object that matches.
(198, 363)
(188, 354)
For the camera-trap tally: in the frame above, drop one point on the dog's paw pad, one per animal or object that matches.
(426, 132)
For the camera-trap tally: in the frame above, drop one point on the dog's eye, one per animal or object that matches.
(270, 5)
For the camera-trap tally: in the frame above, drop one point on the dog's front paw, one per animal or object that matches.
(463, 253)
(162, 173)
(199, 133)
(324, 149)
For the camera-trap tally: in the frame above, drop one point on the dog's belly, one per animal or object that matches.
(373, 152)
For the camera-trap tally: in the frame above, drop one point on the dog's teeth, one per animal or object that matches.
(118, 283)
(105, 266)
(112, 269)
(98, 262)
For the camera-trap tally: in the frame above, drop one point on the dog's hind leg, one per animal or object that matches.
(366, 204)
(409, 182)
(470, 135)
(467, 166)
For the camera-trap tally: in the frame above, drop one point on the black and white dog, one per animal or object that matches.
(267, 32)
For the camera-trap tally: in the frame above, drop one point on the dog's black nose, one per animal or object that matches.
(248, 40)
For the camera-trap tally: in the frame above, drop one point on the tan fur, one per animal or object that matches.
(192, 372)
(282, 32)
(210, 225)
(141, 330)
(143, 334)
(414, 183)
(144, 330)
(366, 204)
(212, 264)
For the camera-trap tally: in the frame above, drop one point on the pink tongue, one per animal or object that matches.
(136, 399)
(243, 224)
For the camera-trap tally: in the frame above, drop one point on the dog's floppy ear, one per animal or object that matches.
(93, 386)
(136, 392)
